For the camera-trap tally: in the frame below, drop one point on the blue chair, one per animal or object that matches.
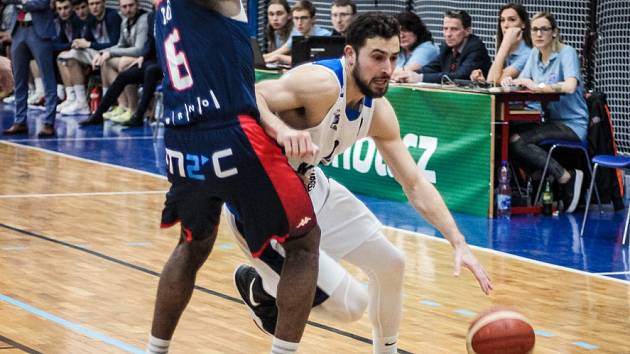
(565, 144)
(608, 161)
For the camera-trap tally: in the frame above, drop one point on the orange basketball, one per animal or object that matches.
(500, 330)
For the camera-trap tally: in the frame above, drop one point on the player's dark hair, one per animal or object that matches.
(370, 25)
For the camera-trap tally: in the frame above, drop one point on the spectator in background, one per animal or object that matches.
(553, 67)
(341, 14)
(102, 32)
(514, 44)
(303, 15)
(121, 56)
(81, 13)
(416, 44)
(32, 30)
(460, 54)
(279, 24)
(146, 71)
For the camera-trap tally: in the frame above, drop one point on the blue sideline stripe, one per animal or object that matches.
(585, 345)
(73, 326)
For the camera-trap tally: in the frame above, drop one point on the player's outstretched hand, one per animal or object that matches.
(464, 256)
(297, 143)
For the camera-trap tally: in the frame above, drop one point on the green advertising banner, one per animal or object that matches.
(448, 135)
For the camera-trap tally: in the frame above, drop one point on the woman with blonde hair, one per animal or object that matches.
(553, 67)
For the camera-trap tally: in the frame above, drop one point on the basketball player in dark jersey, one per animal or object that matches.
(217, 152)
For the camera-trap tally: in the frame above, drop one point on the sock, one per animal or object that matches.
(157, 345)
(39, 86)
(61, 93)
(386, 345)
(79, 92)
(70, 94)
(104, 91)
(279, 346)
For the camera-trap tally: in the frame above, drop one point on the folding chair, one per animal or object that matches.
(609, 161)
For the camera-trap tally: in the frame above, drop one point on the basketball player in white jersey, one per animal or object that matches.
(339, 102)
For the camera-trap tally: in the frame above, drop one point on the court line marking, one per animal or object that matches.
(102, 138)
(613, 273)
(413, 233)
(197, 287)
(86, 194)
(16, 345)
(513, 256)
(71, 325)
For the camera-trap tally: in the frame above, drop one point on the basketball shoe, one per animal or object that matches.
(262, 306)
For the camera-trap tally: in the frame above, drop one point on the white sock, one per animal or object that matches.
(157, 345)
(70, 94)
(279, 346)
(104, 91)
(61, 93)
(79, 92)
(39, 86)
(385, 345)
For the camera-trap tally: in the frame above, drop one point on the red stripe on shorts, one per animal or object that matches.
(289, 187)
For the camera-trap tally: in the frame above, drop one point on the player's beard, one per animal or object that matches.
(364, 86)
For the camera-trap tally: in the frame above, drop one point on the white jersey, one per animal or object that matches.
(341, 127)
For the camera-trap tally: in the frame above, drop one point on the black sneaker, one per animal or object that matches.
(571, 191)
(262, 306)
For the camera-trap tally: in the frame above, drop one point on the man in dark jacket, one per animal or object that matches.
(460, 54)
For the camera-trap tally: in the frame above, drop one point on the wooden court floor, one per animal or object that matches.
(81, 250)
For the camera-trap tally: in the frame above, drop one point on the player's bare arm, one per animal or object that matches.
(303, 97)
(419, 191)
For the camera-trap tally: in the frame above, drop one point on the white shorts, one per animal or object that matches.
(84, 56)
(345, 223)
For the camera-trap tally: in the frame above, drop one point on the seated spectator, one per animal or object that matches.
(120, 57)
(81, 13)
(303, 15)
(69, 28)
(101, 32)
(552, 67)
(146, 71)
(341, 14)
(279, 24)
(416, 44)
(514, 44)
(460, 54)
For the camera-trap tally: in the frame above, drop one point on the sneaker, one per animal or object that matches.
(9, 99)
(34, 97)
(262, 306)
(39, 103)
(571, 191)
(125, 116)
(64, 104)
(76, 108)
(113, 112)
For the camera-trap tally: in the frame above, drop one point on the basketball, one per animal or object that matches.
(500, 330)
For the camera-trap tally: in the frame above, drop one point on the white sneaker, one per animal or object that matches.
(64, 104)
(76, 108)
(9, 99)
(34, 98)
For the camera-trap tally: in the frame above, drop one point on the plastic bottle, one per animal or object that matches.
(528, 191)
(547, 199)
(95, 98)
(504, 195)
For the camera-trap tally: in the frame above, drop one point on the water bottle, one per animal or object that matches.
(547, 199)
(504, 195)
(95, 98)
(528, 191)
